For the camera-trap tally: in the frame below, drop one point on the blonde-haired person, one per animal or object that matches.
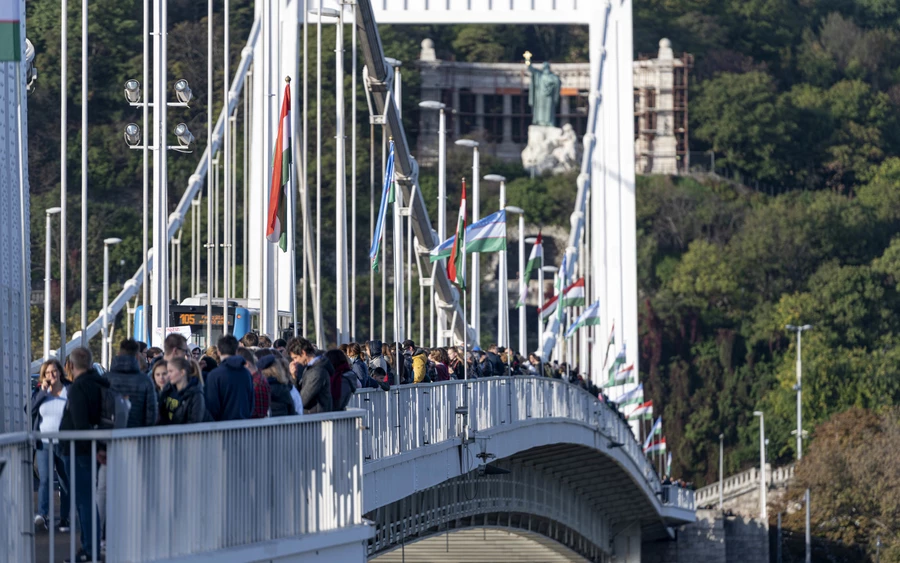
(181, 400)
(48, 404)
(281, 403)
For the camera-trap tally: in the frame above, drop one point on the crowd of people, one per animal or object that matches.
(233, 380)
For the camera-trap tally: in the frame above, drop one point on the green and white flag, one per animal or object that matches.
(486, 235)
(669, 465)
(619, 361)
(534, 261)
(590, 317)
(633, 397)
(655, 430)
(10, 31)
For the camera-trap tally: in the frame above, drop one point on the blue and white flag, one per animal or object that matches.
(387, 197)
(485, 235)
(655, 430)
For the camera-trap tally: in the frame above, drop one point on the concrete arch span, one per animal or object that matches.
(525, 500)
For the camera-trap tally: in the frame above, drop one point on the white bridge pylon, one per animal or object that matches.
(606, 191)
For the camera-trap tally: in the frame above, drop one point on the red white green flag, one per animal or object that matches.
(10, 31)
(456, 265)
(573, 296)
(281, 177)
(534, 261)
(658, 446)
(642, 412)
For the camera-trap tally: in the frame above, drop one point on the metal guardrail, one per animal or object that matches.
(175, 491)
(413, 416)
(743, 482)
(16, 486)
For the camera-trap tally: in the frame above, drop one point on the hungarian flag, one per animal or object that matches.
(281, 177)
(655, 430)
(658, 446)
(562, 289)
(590, 317)
(456, 265)
(573, 296)
(483, 236)
(642, 412)
(10, 31)
(625, 375)
(534, 261)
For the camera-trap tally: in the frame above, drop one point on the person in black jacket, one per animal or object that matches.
(83, 412)
(229, 387)
(125, 377)
(181, 400)
(315, 385)
(280, 401)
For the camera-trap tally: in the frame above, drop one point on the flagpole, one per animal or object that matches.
(384, 247)
(342, 329)
(320, 333)
(304, 160)
(352, 332)
(292, 229)
(371, 334)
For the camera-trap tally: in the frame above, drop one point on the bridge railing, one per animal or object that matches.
(176, 491)
(16, 490)
(413, 416)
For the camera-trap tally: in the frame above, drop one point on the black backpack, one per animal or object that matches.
(114, 409)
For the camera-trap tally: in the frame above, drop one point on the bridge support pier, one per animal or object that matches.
(627, 544)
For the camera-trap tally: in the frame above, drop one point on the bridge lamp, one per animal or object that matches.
(762, 466)
(183, 91)
(132, 91)
(614, 445)
(132, 135)
(185, 137)
(326, 12)
(104, 351)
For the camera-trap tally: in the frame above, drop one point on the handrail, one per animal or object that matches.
(176, 218)
(414, 416)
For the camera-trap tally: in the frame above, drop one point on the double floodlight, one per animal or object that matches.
(185, 138)
(132, 134)
(183, 91)
(132, 91)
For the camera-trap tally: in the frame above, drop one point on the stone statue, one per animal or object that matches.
(543, 95)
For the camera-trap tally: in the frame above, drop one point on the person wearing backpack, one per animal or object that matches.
(84, 411)
(419, 361)
(377, 360)
(343, 380)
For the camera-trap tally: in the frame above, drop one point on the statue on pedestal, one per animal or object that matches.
(543, 94)
(550, 148)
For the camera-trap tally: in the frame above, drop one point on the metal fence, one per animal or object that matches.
(412, 416)
(16, 486)
(174, 491)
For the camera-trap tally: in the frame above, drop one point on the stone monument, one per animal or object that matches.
(550, 148)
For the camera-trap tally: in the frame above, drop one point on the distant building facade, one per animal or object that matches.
(489, 101)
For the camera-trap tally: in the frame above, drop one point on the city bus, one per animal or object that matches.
(192, 313)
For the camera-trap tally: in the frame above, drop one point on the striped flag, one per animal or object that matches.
(590, 317)
(625, 375)
(655, 430)
(561, 287)
(633, 397)
(619, 361)
(658, 446)
(387, 197)
(10, 31)
(456, 265)
(573, 296)
(534, 261)
(669, 465)
(276, 226)
(485, 235)
(642, 412)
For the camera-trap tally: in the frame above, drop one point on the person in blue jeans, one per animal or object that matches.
(48, 405)
(83, 412)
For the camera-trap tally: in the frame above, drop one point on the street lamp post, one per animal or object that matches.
(523, 343)
(476, 210)
(442, 192)
(763, 505)
(104, 350)
(503, 275)
(721, 470)
(799, 388)
(47, 279)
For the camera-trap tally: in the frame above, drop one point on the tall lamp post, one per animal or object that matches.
(523, 343)
(442, 191)
(47, 279)
(721, 470)
(502, 287)
(799, 330)
(476, 211)
(104, 350)
(763, 505)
